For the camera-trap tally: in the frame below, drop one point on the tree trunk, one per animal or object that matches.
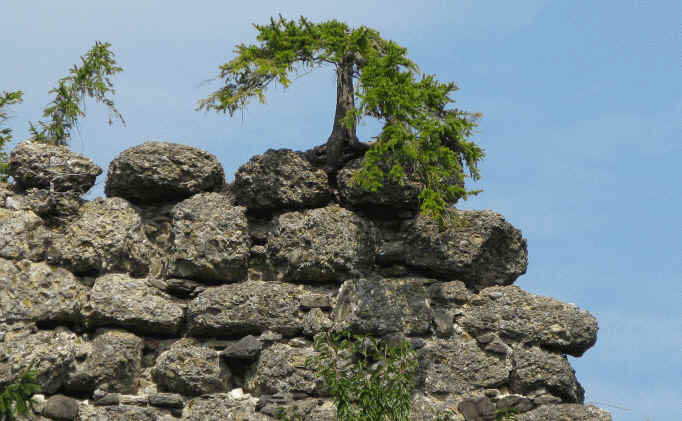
(342, 138)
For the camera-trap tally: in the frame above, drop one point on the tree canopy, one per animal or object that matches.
(421, 137)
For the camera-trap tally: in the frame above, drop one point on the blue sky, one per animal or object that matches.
(581, 103)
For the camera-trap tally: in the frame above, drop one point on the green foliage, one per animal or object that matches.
(421, 137)
(16, 398)
(366, 380)
(90, 79)
(6, 99)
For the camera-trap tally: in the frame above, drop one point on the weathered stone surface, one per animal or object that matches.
(222, 407)
(166, 400)
(108, 236)
(119, 300)
(60, 407)
(52, 353)
(37, 292)
(113, 364)
(519, 403)
(534, 368)
(22, 235)
(392, 198)
(163, 172)
(481, 249)
(429, 408)
(249, 307)
(280, 179)
(567, 411)
(282, 368)
(246, 349)
(52, 204)
(449, 293)
(316, 321)
(459, 366)
(477, 409)
(190, 369)
(51, 167)
(211, 239)
(119, 413)
(381, 306)
(321, 245)
(523, 317)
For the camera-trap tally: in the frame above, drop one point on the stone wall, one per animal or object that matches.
(181, 297)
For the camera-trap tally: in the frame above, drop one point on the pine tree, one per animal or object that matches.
(421, 137)
(6, 99)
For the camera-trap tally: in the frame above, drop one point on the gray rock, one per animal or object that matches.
(389, 200)
(210, 239)
(60, 407)
(222, 407)
(449, 293)
(477, 409)
(568, 411)
(113, 364)
(280, 179)
(51, 167)
(282, 368)
(22, 235)
(51, 204)
(523, 317)
(459, 366)
(108, 236)
(514, 402)
(480, 248)
(442, 321)
(118, 413)
(247, 348)
(37, 292)
(166, 400)
(313, 300)
(119, 300)
(316, 321)
(320, 245)
(535, 368)
(52, 353)
(190, 369)
(163, 172)
(249, 307)
(382, 306)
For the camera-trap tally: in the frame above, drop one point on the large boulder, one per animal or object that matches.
(280, 179)
(282, 369)
(119, 300)
(210, 239)
(22, 235)
(56, 168)
(459, 366)
(535, 369)
(223, 407)
(567, 411)
(52, 353)
(382, 306)
(479, 248)
(321, 245)
(113, 363)
(107, 236)
(190, 369)
(163, 172)
(36, 292)
(519, 316)
(244, 308)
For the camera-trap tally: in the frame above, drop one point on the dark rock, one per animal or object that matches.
(480, 248)
(113, 364)
(166, 400)
(382, 306)
(210, 240)
(478, 409)
(522, 317)
(280, 179)
(453, 292)
(107, 236)
(442, 321)
(60, 407)
(247, 348)
(573, 412)
(518, 403)
(163, 172)
(56, 168)
(249, 307)
(309, 301)
(116, 299)
(320, 245)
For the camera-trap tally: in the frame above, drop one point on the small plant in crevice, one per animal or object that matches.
(16, 398)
